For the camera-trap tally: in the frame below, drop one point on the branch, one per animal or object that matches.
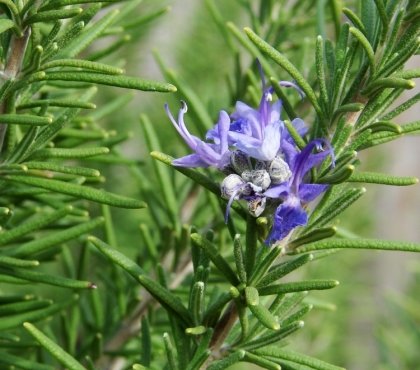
(13, 66)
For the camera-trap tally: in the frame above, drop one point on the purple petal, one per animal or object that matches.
(271, 143)
(244, 140)
(192, 160)
(208, 153)
(306, 160)
(275, 111)
(300, 126)
(223, 128)
(289, 151)
(213, 134)
(308, 192)
(288, 215)
(265, 150)
(249, 117)
(278, 191)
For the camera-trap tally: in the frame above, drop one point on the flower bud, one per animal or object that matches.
(240, 161)
(232, 184)
(278, 170)
(261, 178)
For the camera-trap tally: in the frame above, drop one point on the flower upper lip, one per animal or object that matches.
(215, 154)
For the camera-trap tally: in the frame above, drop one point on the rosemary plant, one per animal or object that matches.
(203, 282)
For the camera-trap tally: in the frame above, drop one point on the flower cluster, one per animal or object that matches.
(261, 161)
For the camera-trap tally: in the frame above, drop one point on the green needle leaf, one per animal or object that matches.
(320, 69)
(15, 262)
(283, 269)
(19, 362)
(216, 258)
(366, 45)
(38, 222)
(56, 351)
(14, 308)
(39, 277)
(354, 19)
(298, 358)
(161, 294)
(228, 361)
(84, 64)
(78, 191)
(68, 153)
(298, 286)
(381, 178)
(6, 24)
(54, 167)
(67, 103)
(34, 315)
(386, 245)
(312, 236)
(261, 361)
(106, 79)
(264, 316)
(384, 126)
(55, 239)
(75, 45)
(25, 119)
(170, 352)
(53, 15)
(239, 258)
(281, 60)
(388, 82)
(272, 337)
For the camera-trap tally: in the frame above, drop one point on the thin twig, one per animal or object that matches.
(13, 66)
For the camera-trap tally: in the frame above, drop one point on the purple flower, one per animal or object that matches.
(215, 154)
(295, 192)
(256, 132)
(263, 163)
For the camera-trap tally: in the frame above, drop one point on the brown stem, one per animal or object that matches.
(13, 66)
(222, 329)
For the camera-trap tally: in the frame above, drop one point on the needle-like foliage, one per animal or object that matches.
(110, 262)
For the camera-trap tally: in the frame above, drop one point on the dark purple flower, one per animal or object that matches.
(296, 192)
(215, 154)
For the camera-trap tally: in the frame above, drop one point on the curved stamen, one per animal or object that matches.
(180, 125)
(231, 199)
(294, 85)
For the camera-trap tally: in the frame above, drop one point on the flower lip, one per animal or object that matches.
(215, 154)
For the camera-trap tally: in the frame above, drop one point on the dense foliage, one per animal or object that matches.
(204, 281)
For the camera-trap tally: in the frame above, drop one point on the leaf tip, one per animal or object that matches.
(91, 238)
(248, 30)
(27, 325)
